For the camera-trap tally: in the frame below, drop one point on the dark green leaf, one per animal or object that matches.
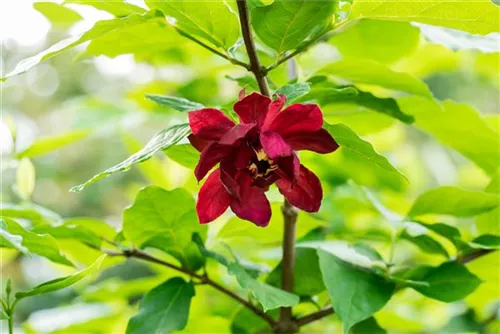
(40, 244)
(446, 231)
(486, 241)
(307, 279)
(63, 282)
(164, 309)
(454, 201)
(349, 141)
(284, 25)
(449, 282)
(425, 243)
(368, 326)
(269, 296)
(176, 103)
(161, 141)
(356, 292)
(294, 91)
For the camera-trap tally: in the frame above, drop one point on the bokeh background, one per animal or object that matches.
(98, 102)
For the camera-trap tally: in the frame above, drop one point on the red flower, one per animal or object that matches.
(255, 154)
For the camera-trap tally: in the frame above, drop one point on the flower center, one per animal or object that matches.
(261, 165)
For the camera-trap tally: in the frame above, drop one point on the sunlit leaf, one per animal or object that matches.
(357, 293)
(284, 25)
(184, 154)
(74, 232)
(477, 17)
(449, 282)
(118, 8)
(454, 201)
(48, 144)
(59, 15)
(490, 222)
(161, 141)
(164, 309)
(294, 91)
(213, 21)
(176, 103)
(40, 244)
(364, 71)
(25, 178)
(63, 282)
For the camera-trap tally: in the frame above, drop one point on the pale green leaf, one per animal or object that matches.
(176, 103)
(477, 17)
(164, 309)
(184, 154)
(40, 244)
(449, 282)
(118, 8)
(490, 222)
(59, 15)
(454, 201)
(73, 232)
(32, 212)
(63, 282)
(25, 178)
(459, 40)
(9, 240)
(357, 293)
(213, 21)
(49, 144)
(449, 121)
(161, 141)
(383, 41)
(100, 29)
(349, 141)
(284, 25)
(364, 71)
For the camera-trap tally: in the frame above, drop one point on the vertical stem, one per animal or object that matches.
(285, 323)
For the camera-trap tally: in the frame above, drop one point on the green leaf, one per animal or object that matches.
(48, 144)
(269, 296)
(32, 212)
(164, 309)
(425, 243)
(454, 201)
(357, 293)
(149, 222)
(368, 326)
(118, 8)
(246, 81)
(477, 17)
(448, 121)
(68, 231)
(62, 282)
(349, 141)
(490, 222)
(307, 279)
(11, 240)
(459, 40)
(25, 178)
(4, 316)
(364, 71)
(446, 231)
(100, 29)
(161, 141)
(449, 282)
(40, 244)
(462, 323)
(59, 15)
(176, 103)
(486, 241)
(284, 25)
(294, 91)
(184, 154)
(213, 21)
(383, 41)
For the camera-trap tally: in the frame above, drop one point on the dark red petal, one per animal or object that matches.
(306, 193)
(274, 109)
(236, 133)
(209, 157)
(227, 176)
(298, 118)
(209, 124)
(320, 141)
(289, 168)
(274, 145)
(213, 199)
(252, 108)
(253, 205)
(197, 142)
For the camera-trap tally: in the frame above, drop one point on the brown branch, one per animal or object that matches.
(464, 259)
(138, 254)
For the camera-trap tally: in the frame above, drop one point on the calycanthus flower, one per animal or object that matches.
(255, 154)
